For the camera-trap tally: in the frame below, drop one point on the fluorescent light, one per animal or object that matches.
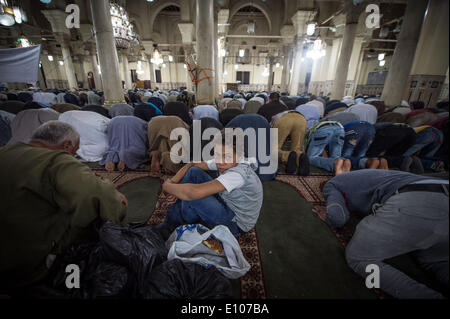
(381, 56)
(382, 62)
(50, 58)
(310, 29)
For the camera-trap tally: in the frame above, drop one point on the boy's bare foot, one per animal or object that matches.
(373, 163)
(347, 166)
(121, 166)
(110, 167)
(338, 166)
(155, 165)
(383, 164)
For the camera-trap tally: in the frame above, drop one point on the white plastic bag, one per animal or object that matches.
(185, 244)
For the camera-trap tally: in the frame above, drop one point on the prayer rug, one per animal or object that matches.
(251, 284)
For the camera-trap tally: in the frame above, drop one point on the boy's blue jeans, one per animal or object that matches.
(211, 210)
(331, 136)
(358, 138)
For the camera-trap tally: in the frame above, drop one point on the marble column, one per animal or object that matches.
(95, 71)
(83, 72)
(286, 69)
(187, 52)
(126, 71)
(432, 56)
(270, 77)
(295, 79)
(405, 49)
(205, 36)
(344, 60)
(107, 53)
(353, 66)
(68, 63)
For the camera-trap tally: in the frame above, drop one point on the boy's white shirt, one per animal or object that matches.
(231, 180)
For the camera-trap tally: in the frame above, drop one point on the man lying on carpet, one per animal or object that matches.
(404, 213)
(234, 199)
(51, 201)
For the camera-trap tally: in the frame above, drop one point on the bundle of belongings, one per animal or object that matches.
(133, 261)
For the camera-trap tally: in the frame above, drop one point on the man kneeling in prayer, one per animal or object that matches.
(50, 201)
(234, 199)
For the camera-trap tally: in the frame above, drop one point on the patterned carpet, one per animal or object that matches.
(252, 284)
(311, 189)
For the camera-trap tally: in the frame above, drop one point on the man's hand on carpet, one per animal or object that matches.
(124, 199)
(320, 211)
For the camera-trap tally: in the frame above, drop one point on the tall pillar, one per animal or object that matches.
(187, 52)
(126, 71)
(353, 66)
(432, 55)
(205, 92)
(344, 60)
(95, 70)
(300, 19)
(333, 64)
(68, 63)
(286, 69)
(107, 53)
(404, 52)
(270, 78)
(83, 72)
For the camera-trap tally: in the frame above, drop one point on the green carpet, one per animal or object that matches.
(300, 255)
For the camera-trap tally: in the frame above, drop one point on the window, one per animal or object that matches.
(243, 77)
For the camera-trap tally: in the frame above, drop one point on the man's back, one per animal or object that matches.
(271, 109)
(50, 201)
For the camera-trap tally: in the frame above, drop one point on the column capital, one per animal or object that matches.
(300, 20)
(57, 19)
(187, 32)
(288, 31)
(148, 46)
(222, 21)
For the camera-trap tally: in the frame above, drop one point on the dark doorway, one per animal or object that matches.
(158, 76)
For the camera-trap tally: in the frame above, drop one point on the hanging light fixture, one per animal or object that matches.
(23, 42)
(317, 50)
(6, 14)
(156, 57)
(123, 32)
(311, 29)
(251, 25)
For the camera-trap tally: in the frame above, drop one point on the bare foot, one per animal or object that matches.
(110, 167)
(121, 166)
(372, 163)
(155, 165)
(338, 164)
(347, 166)
(383, 164)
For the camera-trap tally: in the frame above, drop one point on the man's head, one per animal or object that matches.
(274, 97)
(56, 135)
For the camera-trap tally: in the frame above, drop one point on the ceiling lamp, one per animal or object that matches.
(50, 58)
(46, 1)
(311, 29)
(251, 27)
(61, 62)
(382, 62)
(381, 56)
(156, 57)
(6, 14)
(317, 51)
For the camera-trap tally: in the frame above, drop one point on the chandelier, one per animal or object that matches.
(156, 57)
(10, 13)
(317, 51)
(122, 28)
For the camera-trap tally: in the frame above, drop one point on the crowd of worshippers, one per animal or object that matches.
(44, 131)
(337, 136)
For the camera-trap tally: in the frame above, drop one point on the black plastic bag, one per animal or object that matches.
(111, 280)
(175, 279)
(136, 247)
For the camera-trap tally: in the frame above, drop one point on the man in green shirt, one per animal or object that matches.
(50, 201)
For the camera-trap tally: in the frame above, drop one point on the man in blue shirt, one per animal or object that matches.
(404, 213)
